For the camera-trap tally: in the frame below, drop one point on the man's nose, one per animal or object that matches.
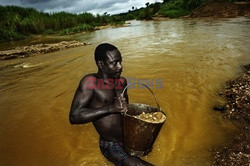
(119, 65)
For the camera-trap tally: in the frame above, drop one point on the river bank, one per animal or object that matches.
(237, 109)
(27, 51)
(41, 44)
(221, 9)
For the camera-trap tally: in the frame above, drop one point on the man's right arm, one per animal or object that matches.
(80, 113)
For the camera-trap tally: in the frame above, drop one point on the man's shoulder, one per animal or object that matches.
(123, 79)
(87, 79)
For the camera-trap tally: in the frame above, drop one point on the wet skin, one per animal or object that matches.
(102, 106)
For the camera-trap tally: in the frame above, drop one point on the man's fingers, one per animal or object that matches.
(120, 104)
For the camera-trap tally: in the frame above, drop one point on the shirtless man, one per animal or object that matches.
(98, 99)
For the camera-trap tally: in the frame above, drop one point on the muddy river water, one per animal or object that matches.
(193, 58)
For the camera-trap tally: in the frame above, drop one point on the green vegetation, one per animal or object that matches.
(169, 8)
(174, 9)
(18, 23)
(80, 28)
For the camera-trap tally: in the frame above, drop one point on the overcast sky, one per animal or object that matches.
(79, 6)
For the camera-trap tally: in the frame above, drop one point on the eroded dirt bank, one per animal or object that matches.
(221, 9)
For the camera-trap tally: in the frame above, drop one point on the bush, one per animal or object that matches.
(175, 13)
(80, 28)
(175, 9)
(17, 22)
(7, 35)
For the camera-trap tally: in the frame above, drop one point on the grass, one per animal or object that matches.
(78, 29)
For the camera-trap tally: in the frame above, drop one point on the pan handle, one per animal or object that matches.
(158, 105)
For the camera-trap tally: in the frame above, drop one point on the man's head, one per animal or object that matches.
(108, 59)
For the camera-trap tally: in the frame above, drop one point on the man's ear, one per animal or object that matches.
(100, 64)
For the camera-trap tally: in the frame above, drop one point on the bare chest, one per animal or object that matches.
(104, 97)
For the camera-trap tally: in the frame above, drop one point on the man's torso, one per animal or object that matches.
(109, 127)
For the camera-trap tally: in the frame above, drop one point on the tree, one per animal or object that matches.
(156, 8)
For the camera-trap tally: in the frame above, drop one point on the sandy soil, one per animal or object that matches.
(26, 51)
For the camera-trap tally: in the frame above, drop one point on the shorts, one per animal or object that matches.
(113, 151)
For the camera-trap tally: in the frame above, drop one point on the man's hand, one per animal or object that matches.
(120, 105)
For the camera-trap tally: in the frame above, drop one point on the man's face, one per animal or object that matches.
(113, 64)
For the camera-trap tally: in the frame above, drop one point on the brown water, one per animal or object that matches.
(193, 57)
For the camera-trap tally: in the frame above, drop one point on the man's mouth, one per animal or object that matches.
(118, 73)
